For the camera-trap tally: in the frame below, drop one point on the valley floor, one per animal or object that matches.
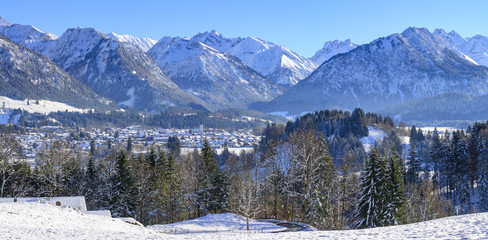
(42, 221)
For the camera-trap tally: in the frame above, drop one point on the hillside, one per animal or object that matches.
(27, 74)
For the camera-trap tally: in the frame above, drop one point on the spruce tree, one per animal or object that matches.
(396, 191)
(213, 188)
(175, 199)
(413, 165)
(122, 203)
(129, 145)
(372, 204)
(413, 136)
(151, 157)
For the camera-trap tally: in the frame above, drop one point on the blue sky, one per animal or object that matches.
(303, 26)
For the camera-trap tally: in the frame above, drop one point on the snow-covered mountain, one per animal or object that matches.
(144, 43)
(219, 79)
(475, 48)
(401, 67)
(119, 71)
(275, 62)
(27, 74)
(27, 35)
(331, 49)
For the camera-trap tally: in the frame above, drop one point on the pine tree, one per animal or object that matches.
(396, 192)
(413, 166)
(372, 205)
(175, 199)
(320, 176)
(129, 145)
(92, 148)
(358, 123)
(213, 189)
(437, 156)
(151, 157)
(122, 203)
(413, 136)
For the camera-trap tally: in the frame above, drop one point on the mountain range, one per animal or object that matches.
(219, 79)
(210, 72)
(25, 74)
(397, 69)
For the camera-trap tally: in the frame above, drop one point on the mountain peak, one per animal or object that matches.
(143, 43)
(414, 31)
(208, 35)
(4, 22)
(332, 48)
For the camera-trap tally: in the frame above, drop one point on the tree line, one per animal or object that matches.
(312, 170)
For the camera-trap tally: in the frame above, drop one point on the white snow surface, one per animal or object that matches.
(129, 102)
(44, 106)
(374, 136)
(144, 43)
(44, 221)
(217, 222)
(331, 49)
(474, 49)
(276, 62)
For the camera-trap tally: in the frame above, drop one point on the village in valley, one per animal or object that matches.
(36, 140)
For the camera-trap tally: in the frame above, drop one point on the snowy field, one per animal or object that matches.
(374, 135)
(226, 222)
(44, 106)
(42, 221)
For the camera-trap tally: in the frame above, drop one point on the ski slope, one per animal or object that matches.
(44, 221)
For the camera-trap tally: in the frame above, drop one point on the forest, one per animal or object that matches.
(313, 170)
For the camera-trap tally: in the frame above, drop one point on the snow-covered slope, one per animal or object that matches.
(276, 62)
(117, 70)
(27, 36)
(37, 106)
(44, 221)
(144, 43)
(219, 79)
(399, 68)
(331, 49)
(474, 48)
(27, 74)
(374, 135)
(221, 222)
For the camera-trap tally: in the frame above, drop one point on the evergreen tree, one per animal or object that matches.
(175, 199)
(213, 187)
(413, 166)
(122, 203)
(437, 156)
(151, 157)
(174, 146)
(358, 123)
(372, 205)
(396, 192)
(413, 136)
(129, 145)
(318, 182)
(92, 148)
(483, 174)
